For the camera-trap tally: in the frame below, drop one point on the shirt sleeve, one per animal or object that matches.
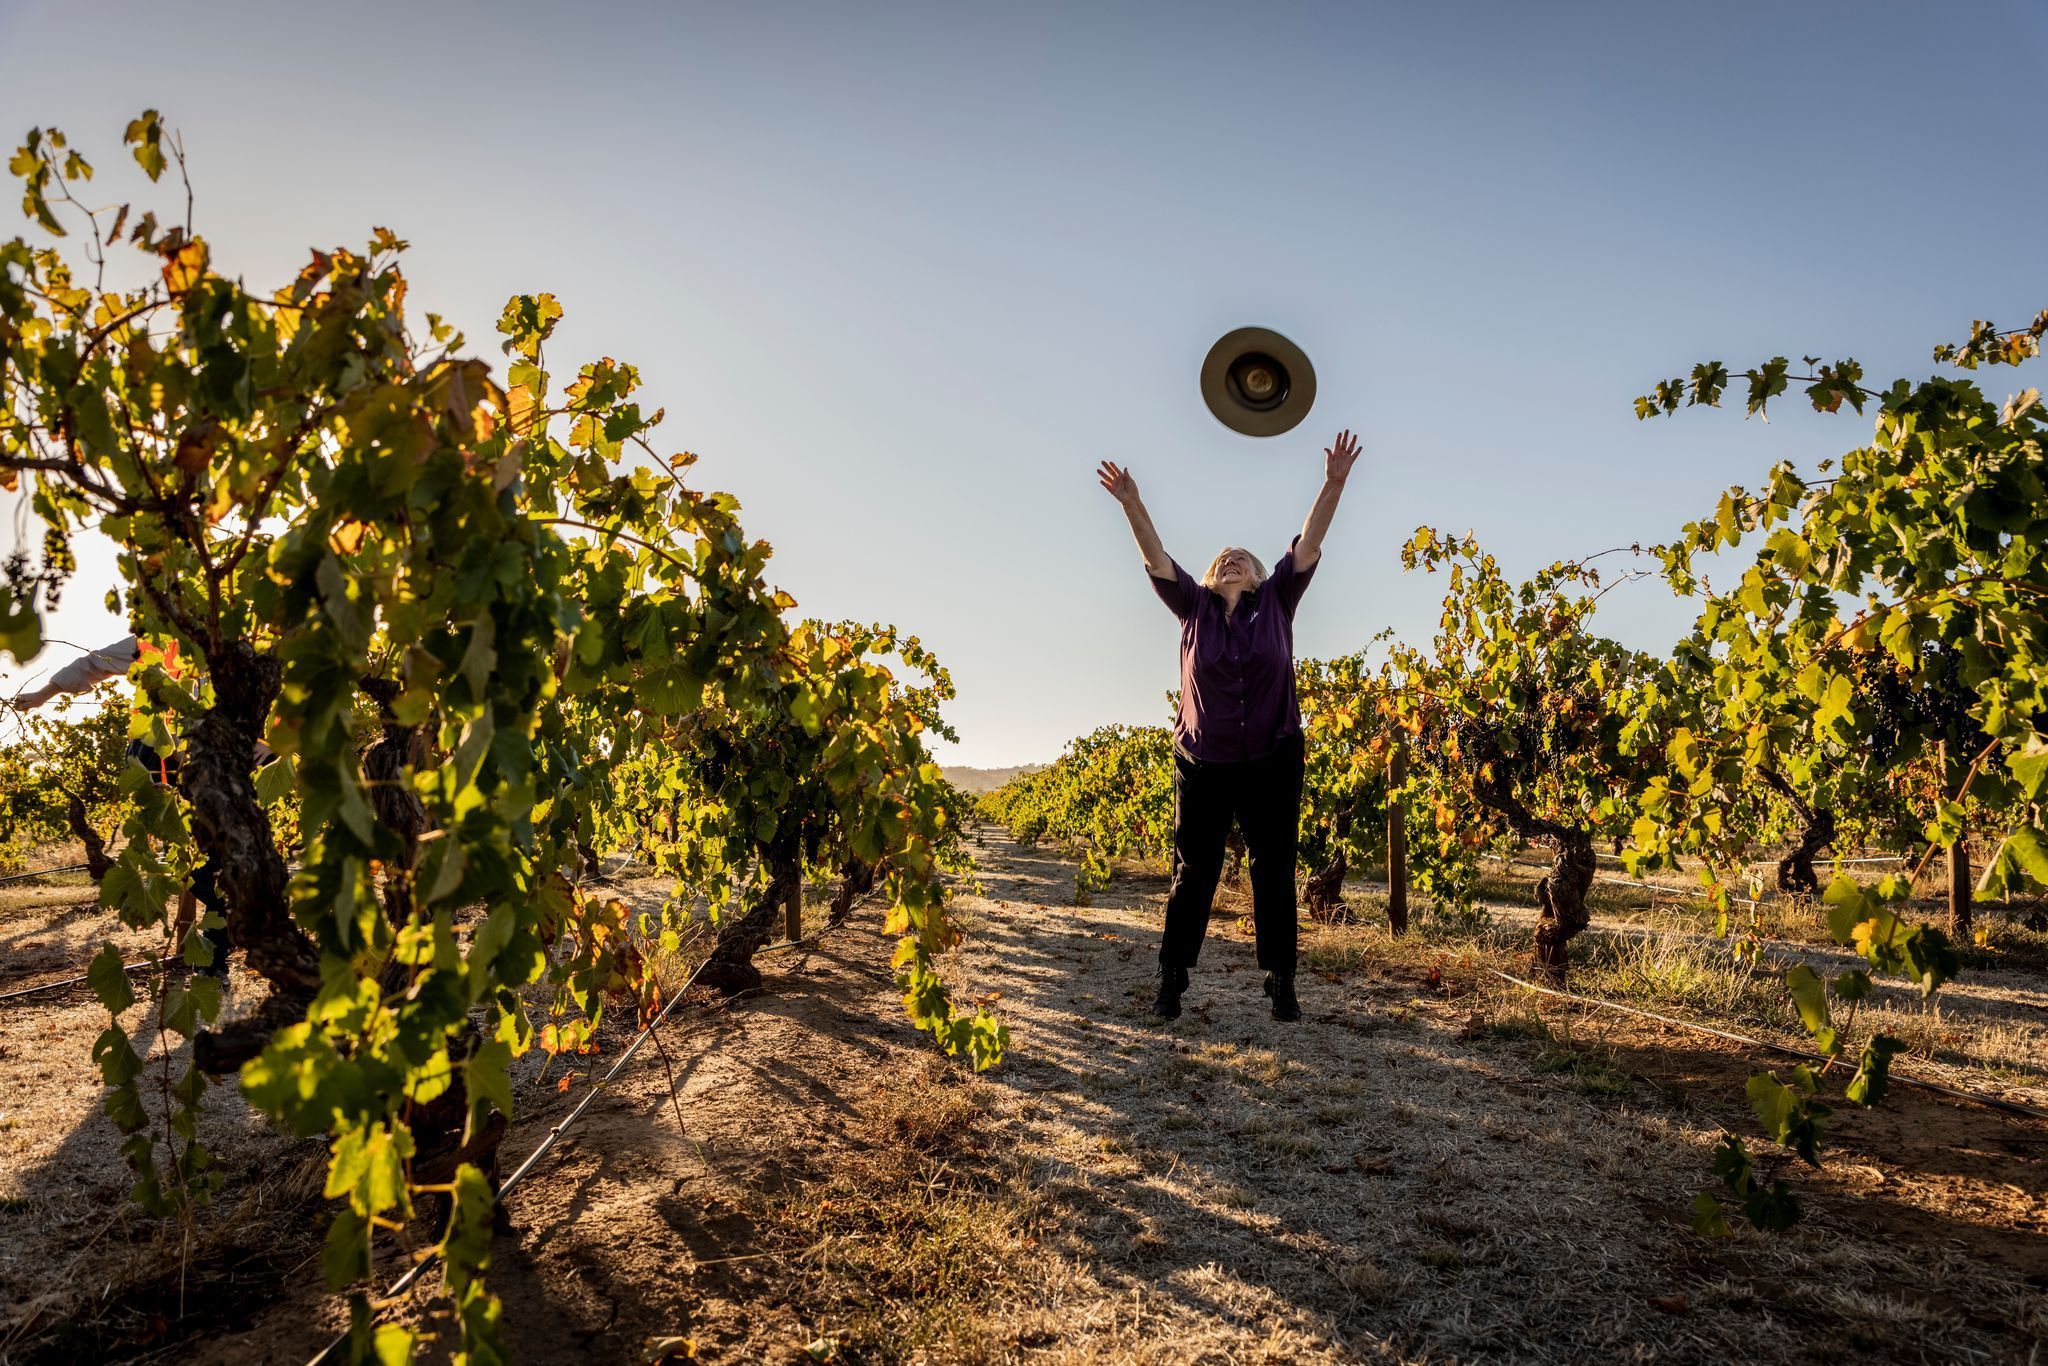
(88, 671)
(1181, 595)
(1289, 583)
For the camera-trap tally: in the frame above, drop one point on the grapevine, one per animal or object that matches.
(451, 604)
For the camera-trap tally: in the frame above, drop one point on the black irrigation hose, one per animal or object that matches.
(47, 872)
(1989, 1102)
(815, 935)
(404, 1283)
(136, 966)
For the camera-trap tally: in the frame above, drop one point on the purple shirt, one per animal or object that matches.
(1236, 671)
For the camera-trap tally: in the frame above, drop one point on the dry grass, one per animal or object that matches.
(1386, 1179)
(1432, 1167)
(909, 1239)
(1988, 1029)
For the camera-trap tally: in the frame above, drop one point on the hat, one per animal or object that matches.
(1257, 382)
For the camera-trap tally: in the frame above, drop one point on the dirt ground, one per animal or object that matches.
(1421, 1171)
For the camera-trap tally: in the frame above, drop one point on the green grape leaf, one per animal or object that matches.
(1708, 1220)
(108, 978)
(118, 1061)
(21, 628)
(345, 1255)
(1873, 1070)
(1809, 995)
(1787, 1112)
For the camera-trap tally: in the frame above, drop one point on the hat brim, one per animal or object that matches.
(1230, 408)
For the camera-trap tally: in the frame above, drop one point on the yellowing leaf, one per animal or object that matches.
(186, 267)
(347, 536)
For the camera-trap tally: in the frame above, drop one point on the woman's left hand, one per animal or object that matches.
(1340, 456)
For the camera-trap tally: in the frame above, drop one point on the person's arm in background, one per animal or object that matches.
(80, 674)
(1338, 459)
(1124, 489)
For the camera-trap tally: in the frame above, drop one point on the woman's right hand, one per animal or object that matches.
(1118, 481)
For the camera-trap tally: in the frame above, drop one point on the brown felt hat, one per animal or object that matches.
(1257, 382)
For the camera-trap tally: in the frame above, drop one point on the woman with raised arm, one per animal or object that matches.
(1237, 742)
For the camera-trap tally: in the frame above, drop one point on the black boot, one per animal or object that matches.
(1280, 986)
(217, 940)
(1172, 982)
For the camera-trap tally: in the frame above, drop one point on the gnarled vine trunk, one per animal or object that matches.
(233, 831)
(1233, 871)
(398, 808)
(97, 862)
(856, 880)
(1397, 839)
(1795, 870)
(730, 968)
(1561, 895)
(1323, 891)
(1817, 832)
(440, 1129)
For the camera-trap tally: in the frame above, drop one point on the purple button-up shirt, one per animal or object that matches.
(1236, 671)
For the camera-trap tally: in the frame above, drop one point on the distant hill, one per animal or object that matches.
(985, 779)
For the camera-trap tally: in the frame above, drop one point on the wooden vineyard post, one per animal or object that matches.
(793, 913)
(188, 909)
(1958, 862)
(1959, 888)
(1397, 840)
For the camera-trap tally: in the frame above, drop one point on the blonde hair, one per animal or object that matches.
(1258, 568)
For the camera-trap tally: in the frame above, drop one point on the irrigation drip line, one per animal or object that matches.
(815, 935)
(554, 1136)
(1762, 862)
(47, 872)
(1989, 1102)
(404, 1283)
(604, 874)
(137, 966)
(1674, 891)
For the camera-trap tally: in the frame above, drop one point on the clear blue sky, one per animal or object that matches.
(902, 273)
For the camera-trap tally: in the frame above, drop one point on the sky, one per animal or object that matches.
(901, 274)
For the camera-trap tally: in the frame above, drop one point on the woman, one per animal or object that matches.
(1237, 743)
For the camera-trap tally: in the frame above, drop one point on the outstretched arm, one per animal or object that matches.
(1124, 489)
(88, 671)
(1337, 462)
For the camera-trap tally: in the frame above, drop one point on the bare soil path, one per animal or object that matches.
(1385, 1179)
(1407, 1175)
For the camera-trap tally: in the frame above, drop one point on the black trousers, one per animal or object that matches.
(206, 891)
(1264, 796)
